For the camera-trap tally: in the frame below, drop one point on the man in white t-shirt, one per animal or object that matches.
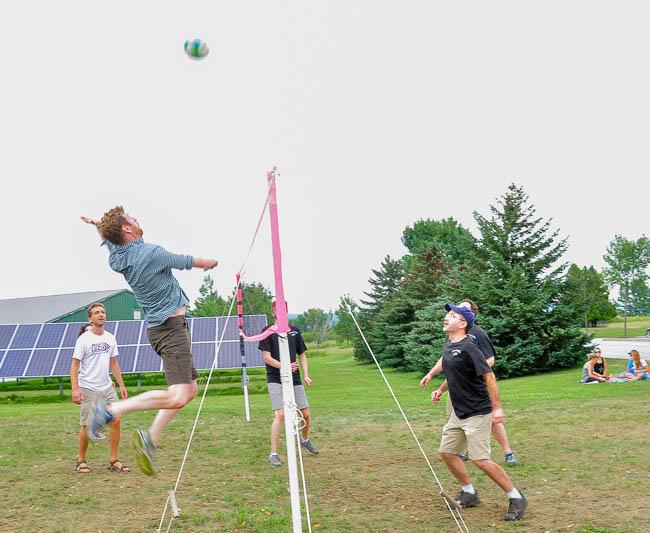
(95, 354)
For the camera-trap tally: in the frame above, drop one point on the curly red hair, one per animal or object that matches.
(110, 226)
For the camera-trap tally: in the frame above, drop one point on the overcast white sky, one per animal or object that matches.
(376, 113)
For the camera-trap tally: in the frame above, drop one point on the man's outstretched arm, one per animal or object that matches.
(205, 264)
(437, 368)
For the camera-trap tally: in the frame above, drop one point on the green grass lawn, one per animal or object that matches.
(636, 327)
(584, 461)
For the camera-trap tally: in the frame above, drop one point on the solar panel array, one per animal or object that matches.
(44, 350)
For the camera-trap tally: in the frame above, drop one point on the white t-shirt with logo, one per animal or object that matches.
(95, 352)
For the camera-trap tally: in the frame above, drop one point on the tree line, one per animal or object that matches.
(534, 305)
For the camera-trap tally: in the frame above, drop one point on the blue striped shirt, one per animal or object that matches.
(147, 268)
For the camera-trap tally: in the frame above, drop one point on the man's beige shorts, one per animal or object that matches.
(88, 398)
(471, 434)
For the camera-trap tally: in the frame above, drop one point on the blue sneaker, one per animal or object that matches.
(99, 417)
(309, 446)
(145, 451)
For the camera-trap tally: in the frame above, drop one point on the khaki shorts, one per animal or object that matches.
(275, 391)
(471, 434)
(88, 399)
(171, 341)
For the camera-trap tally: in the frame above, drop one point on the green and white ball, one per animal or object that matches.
(196, 49)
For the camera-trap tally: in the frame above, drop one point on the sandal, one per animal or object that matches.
(82, 467)
(118, 466)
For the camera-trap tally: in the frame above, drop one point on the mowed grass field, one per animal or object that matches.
(584, 461)
(636, 327)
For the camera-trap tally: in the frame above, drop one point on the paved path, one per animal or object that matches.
(619, 348)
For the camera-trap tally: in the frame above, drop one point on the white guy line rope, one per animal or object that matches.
(299, 423)
(198, 413)
(455, 513)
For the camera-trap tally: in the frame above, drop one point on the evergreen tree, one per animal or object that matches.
(209, 303)
(386, 282)
(392, 323)
(516, 277)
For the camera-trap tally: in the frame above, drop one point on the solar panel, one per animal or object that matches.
(148, 360)
(71, 334)
(42, 350)
(126, 358)
(41, 363)
(6, 334)
(128, 332)
(203, 354)
(26, 336)
(204, 329)
(14, 363)
(63, 361)
(51, 336)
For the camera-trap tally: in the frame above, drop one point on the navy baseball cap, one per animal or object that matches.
(463, 311)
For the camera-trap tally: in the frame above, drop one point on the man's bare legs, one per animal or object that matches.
(83, 443)
(276, 429)
(494, 471)
(456, 466)
(174, 398)
(114, 437)
(278, 424)
(499, 432)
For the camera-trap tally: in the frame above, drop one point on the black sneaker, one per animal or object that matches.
(463, 456)
(465, 499)
(516, 508)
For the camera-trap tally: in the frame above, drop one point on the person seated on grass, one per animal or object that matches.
(588, 376)
(600, 365)
(637, 368)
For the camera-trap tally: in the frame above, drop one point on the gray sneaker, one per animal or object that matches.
(99, 417)
(465, 499)
(516, 508)
(309, 446)
(274, 460)
(145, 451)
(510, 459)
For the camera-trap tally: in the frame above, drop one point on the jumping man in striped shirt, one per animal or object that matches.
(147, 268)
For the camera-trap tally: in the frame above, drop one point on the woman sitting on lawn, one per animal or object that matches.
(637, 368)
(588, 375)
(600, 365)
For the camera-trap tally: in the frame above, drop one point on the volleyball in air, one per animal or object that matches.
(196, 49)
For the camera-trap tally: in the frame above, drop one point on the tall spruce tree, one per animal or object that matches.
(390, 329)
(516, 277)
(384, 283)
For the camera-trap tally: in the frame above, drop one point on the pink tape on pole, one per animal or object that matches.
(256, 338)
(281, 318)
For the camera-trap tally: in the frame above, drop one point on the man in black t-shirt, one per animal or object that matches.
(480, 337)
(270, 348)
(475, 400)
